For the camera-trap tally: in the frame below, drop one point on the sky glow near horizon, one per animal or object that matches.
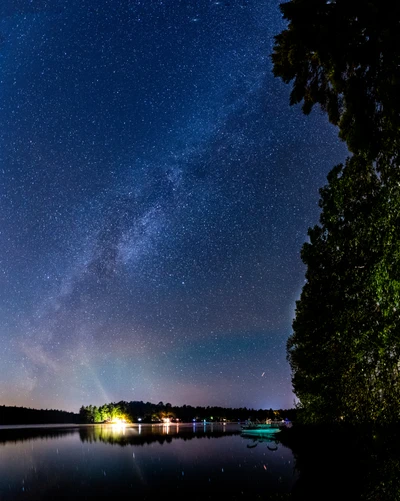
(155, 191)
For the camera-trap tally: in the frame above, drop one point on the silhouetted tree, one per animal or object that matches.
(345, 348)
(345, 56)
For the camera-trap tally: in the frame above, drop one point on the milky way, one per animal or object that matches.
(155, 192)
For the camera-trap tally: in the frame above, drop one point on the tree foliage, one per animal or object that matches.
(345, 56)
(345, 347)
(106, 412)
(148, 412)
(24, 415)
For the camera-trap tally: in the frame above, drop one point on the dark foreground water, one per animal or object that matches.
(139, 463)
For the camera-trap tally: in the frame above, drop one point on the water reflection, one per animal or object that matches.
(120, 434)
(181, 462)
(140, 435)
(145, 461)
(354, 464)
(15, 435)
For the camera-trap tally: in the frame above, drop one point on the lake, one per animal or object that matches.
(142, 462)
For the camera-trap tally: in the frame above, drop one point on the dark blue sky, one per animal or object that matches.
(155, 191)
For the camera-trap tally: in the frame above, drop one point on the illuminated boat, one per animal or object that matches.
(260, 429)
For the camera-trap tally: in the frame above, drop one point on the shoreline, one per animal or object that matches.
(90, 425)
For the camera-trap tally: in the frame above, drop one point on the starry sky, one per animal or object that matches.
(155, 190)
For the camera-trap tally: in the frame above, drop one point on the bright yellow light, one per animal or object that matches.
(118, 426)
(118, 420)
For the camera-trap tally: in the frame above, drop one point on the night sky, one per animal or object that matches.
(155, 191)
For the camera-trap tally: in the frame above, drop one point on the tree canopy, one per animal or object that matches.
(345, 56)
(147, 412)
(345, 347)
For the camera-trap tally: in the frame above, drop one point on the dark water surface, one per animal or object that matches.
(138, 463)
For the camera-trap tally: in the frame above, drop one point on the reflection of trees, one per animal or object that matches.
(25, 434)
(132, 436)
(384, 482)
(346, 464)
(113, 434)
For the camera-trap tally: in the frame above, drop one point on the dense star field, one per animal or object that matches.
(155, 191)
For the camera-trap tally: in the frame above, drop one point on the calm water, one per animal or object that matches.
(99, 462)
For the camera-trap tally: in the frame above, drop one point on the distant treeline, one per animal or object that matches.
(145, 412)
(24, 415)
(153, 413)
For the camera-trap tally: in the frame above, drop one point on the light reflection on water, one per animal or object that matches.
(144, 462)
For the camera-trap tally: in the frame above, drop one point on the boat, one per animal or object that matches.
(260, 429)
